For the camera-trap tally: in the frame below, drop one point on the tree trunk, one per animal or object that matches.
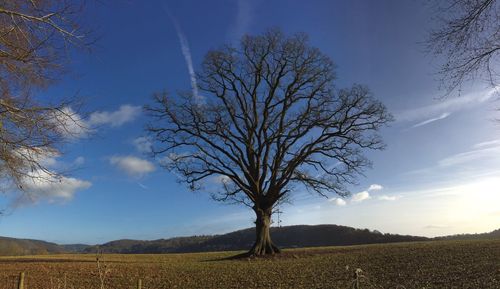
(263, 244)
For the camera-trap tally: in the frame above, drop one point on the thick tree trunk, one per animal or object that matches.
(263, 243)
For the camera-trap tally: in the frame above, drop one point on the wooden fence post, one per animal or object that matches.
(20, 284)
(139, 284)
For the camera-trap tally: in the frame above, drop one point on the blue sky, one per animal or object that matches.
(439, 174)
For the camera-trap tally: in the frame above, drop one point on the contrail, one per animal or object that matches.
(186, 52)
(244, 15)
(442, 116)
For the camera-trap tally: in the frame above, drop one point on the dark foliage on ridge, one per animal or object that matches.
(285, 237)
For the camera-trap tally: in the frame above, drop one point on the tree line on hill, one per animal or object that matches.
(285, 237)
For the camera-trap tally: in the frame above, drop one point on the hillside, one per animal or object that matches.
(178, 244)
(17, 247)
(74, 248)
(306, 236)
(285, 237)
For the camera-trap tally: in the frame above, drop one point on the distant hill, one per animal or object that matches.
(17, 247)
(491, 235)
(307, 236)
(285, 237)
(173, 245)
(75, 248)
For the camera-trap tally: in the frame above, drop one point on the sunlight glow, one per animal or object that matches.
(475, 205)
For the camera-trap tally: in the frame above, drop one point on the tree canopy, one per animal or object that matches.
(468, 36)
(268, 120)
(34, 39)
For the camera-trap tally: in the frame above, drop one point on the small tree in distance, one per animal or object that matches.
(269, 120)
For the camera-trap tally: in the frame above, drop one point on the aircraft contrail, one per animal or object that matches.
(186, 52)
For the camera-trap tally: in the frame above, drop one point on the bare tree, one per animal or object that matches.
(270, 121)
(469, 38)
(34, 38)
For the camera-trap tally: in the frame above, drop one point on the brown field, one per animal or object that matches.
(439, 264)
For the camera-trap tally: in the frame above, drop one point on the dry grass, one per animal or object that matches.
(443, 264)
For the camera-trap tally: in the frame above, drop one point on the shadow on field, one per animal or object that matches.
(248, 257)
(241, 256)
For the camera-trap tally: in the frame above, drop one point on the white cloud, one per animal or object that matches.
(126, 113)
(358, 197)
(447, 106)
(43, 156)
(70, 124)
(133, 166)
(361, 196)
(42, 185)
(387, 198)
(338, 201)
(375, 187)
(49, 159)
(73, 126)
(143, 145)
(425, 122)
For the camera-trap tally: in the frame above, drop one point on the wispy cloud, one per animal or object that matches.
(186, 52)
(447, 106)
(488, 150)
(126, 113)
(79, 161)
(133, 166)
(143, 144)
(436, 227)
(143, 186)
(387, 198)
(425, 122)
(487, 144)
(469, 156)
(482, 159)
